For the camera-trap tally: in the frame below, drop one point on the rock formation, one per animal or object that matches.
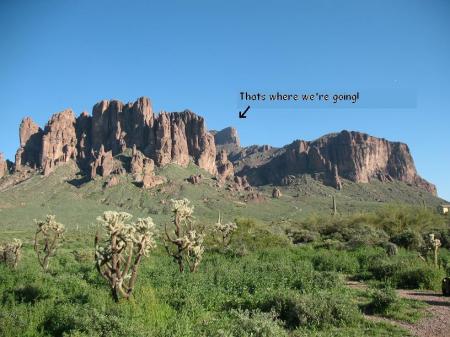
(137, 164)
(93, 141)
(3, 166)
(30, 135)
(149, 179)
(227, 136)
(59, 141)
(182, 137)
(225, 168)
(195, 179)
(276, 193)
(102, 164)
(355, 156)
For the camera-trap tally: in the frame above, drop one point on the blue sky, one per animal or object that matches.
(201, 54)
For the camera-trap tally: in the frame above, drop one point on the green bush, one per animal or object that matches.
(326, 260)
(408, 239)
(316, 310)
(382, 300)
(256, 324)
(303, 236)
(420, 277)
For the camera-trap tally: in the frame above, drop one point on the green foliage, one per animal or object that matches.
(408, 272)
(316, 310)
(409, 239)
(382, 300)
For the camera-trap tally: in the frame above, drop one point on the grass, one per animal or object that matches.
(262, 285)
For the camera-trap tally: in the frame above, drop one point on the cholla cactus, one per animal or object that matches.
(225, 230)
(47, 238)
(432, 244)
(188, 243)
(11, 253)
(119, 255)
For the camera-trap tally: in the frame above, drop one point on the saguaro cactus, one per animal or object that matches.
(334, 205)
(11, 253)
(226, 230)
(47, 239)
(119, 254)
(187, 243)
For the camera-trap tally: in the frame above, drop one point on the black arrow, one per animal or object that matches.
(242, 114)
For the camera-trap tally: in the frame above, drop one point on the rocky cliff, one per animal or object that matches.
(113, 127)
(354, 156)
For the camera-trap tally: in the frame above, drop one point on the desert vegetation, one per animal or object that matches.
(267, 282)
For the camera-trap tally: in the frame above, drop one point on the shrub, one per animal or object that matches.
(256, 324)
(333, 261)
(11, 253)
(315, 310)
(390, 248)
(408, 239)
(420, 277)
(382, 300)
(303, 236)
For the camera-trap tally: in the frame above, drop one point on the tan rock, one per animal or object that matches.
(102, 164)
(59, 142)
(225, 169)
(149, 179)
(195, 179)
(30, 135)
(276, 193)
(3, 166)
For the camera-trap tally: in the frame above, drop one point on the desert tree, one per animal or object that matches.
(119, 254)
(11, 253)
(225, 231)
(184, 244)
(49, 234)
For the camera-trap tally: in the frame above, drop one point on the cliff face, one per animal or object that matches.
(354, 156)
(112, 128)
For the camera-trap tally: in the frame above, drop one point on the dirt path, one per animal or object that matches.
(435, 324)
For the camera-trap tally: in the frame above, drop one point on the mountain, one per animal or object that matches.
(94, 142)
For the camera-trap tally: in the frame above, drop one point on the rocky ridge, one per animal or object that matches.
(94, 141)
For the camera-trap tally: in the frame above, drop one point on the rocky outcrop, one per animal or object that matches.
(276, 193)
(30, 135)
(102, 164)
(3, 166)
(354, 156)
(137, 164)
(149, 179)
(59, 141)
(225, 168)
(195, 179)
(226, 136)
(114, 126)
(165, 138)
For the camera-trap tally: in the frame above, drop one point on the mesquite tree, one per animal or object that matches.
(47, 239)
(225, 230)
(187, 243)
(11, 253)
(119, 254)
